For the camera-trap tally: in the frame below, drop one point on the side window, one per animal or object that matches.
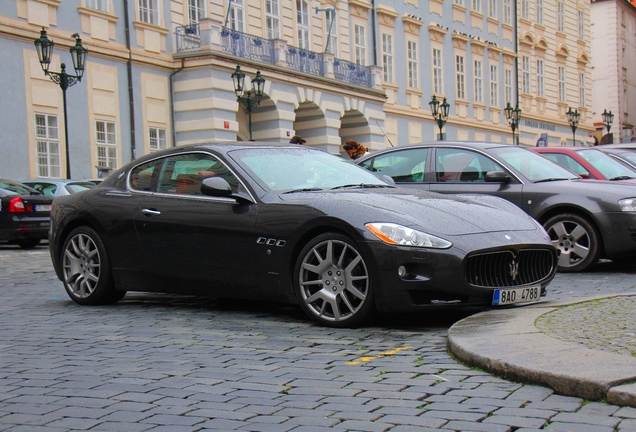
(184, 174)
(406, 166)
(457, 165)
(141, 177)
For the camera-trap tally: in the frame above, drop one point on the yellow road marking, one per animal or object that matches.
(382, 354)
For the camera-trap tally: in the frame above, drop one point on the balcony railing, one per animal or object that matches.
(352, 73)
(305, 61)
(188, 38)
(247, 46)
(262, 50)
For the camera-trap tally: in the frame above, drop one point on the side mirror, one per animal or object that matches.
(216, 186)
(388, 179)
(496, 177)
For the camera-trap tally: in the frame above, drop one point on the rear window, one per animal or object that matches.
(14, 188)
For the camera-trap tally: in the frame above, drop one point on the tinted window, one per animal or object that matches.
(459, 165)
(406, 166)
(532, 165)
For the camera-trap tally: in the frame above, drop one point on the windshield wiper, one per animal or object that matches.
(551, 179)
(622, 178)
(362, 186)
(309, 189)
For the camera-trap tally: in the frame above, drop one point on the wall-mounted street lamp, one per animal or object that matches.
(44, 47)
(513, 115)
(608, 119)
(250, 99)
(573, 120)
(440, 114)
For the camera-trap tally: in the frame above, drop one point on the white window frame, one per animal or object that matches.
(561, 17)
(561, 84)
(237, 15)
(492, 8)
(540, 78)
(508, 85)
(412, 63)
(581, 24)
(387, 58)
(303, 28)
(494, 85)
(582, 94)
(47, 145)
(525, 9)
(507, 12)
(102, 5)
(525, 67)
(460, 76)
(196, 11)
(149, 11)
(360, 44)
(459, 2)
(438, 72)
(478, 81)
(106, 143)
(539, 12)
(333, 39)
(157, 138)
(272, 19)
(476, 6)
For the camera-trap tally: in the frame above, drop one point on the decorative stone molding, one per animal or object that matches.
(562, 51)
(459, 41)
(527, 39)
(541, 44)
(582, 59)
(386, 16)
(437, 32)
(412, 25)
(494, 52)
(359, 8)
(478, 47)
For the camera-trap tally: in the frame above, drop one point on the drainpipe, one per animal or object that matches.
(516, 36)
(172, 121)
(131, 94)
(374, 32)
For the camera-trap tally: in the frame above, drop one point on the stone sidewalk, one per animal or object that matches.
(585, 349)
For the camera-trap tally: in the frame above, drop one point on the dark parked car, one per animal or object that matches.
(292, 224)
(625, 155)
(58, 187)
(24, 214)
(589, 163)
(586, 220)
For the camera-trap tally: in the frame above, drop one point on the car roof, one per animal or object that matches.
(626, 146)
(569, 149)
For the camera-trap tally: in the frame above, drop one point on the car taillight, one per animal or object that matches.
(16, 205)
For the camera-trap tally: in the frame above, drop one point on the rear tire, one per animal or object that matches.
(86, 269)
(577, 241)
(333, 282)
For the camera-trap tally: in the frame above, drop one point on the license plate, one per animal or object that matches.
(516, 295)
(43, 208)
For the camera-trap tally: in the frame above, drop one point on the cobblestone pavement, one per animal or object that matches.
(607, 324)
(170, 363)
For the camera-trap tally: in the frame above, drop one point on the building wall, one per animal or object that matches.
(613, 33)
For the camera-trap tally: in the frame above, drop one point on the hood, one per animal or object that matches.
(434, 213)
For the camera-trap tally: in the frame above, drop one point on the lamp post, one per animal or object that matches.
(44, 47)
(573, 119)
(249, 99)
(608, 119)
(513, 115)
(440, 114)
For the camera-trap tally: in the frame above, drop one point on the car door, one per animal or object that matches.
(463, 171)
(200, 239)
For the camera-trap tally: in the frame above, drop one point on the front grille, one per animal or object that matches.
(510, 268)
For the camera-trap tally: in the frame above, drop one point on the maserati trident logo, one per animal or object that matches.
(514, 269)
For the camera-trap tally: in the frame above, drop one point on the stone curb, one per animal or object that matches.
(506, 342)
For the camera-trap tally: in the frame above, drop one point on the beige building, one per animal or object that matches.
(613, 32)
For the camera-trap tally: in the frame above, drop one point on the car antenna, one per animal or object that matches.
(387, 138)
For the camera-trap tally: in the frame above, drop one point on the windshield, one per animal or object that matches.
(9, 187)
(532, 165)
(291, 169)
(608, 167)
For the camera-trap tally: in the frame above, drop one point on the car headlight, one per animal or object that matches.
(395, 234)
(627, 204)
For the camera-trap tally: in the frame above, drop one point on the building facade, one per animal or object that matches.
(613, 33)
(158, 74)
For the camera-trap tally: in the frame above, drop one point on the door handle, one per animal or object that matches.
(150, 212)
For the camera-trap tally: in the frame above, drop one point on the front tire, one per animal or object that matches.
(86, 269)
(333, 282)
(577, 241)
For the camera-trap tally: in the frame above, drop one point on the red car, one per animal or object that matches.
(589, 163)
